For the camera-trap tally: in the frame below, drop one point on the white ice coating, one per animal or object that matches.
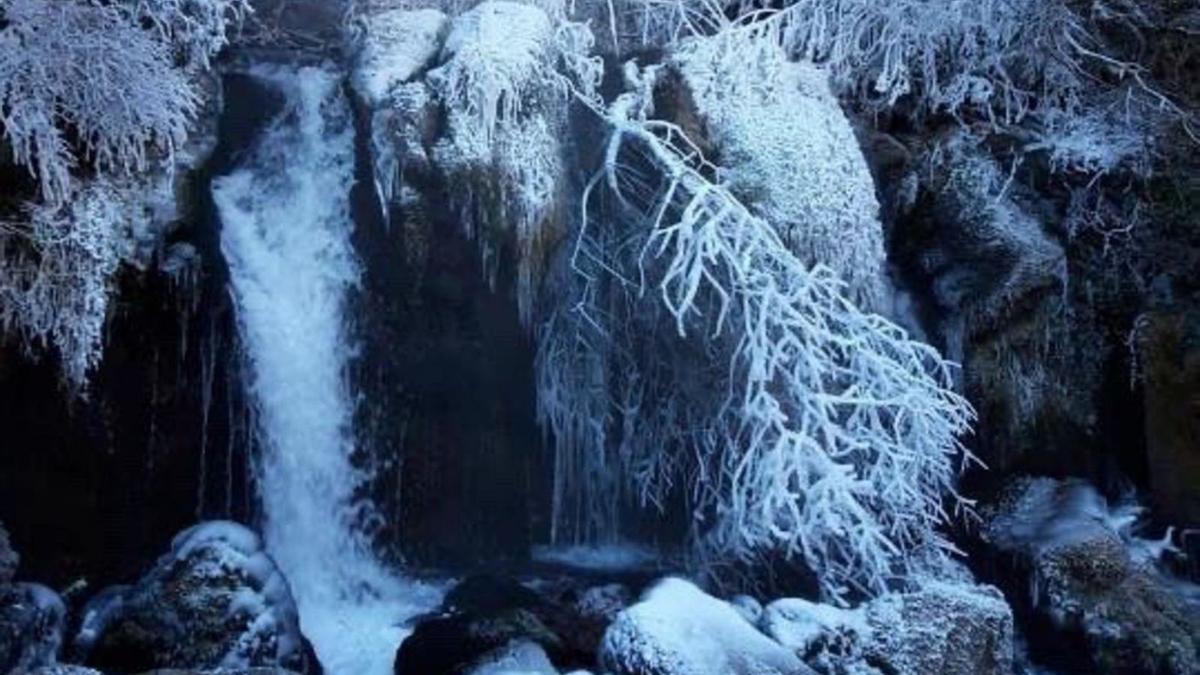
(286, 231)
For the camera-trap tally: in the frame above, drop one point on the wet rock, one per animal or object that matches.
(1095, 587)
(677, 629)
(32, 621)
(447, 645)
(486, 613)
(216, 600)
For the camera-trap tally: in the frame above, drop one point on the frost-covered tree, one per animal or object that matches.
(89, 88)
(696, 355)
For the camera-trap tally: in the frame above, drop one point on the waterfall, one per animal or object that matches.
(286, 230)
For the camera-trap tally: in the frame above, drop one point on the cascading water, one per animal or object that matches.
(286, 230)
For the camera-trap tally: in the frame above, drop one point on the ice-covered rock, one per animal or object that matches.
(786, 150)
(1091, 577)
(32, 621)
(677, 629)
(216, 600)
(396, 45)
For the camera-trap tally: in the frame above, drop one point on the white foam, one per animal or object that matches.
(286, 231)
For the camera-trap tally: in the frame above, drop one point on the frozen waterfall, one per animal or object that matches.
(286, 230)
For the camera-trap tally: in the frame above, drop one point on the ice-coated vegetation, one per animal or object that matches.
(701, 357)
(505, 77)
(90, 89)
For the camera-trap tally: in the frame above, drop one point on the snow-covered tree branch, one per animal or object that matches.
(699, 355)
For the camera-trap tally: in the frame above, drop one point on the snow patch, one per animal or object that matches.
(677, 629)
(396, 45)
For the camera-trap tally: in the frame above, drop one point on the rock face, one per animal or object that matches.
(786, 150)
(949, 629)
(32, 621)
(1169, 350)
(1091, 581)
(677, 629)
(214, 601)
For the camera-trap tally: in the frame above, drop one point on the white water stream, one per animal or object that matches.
(286, 231)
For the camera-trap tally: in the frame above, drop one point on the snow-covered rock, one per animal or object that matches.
(677, 629)
(516, 658)
(32, 621)
(950, 629)
(946, 629)
(1088, 574)
(785, 149)
(750, 608)
(396, 45)
(216, 600)
(804, 626)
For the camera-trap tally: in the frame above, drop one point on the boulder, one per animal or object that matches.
(1096, 587)
(216, 600)
(484, 615)
(786, 150)
(394, 47)
(677, 629)
(516, 658)
(940, 629)
(32, 622)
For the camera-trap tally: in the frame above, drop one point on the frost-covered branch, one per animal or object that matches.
(796, 423)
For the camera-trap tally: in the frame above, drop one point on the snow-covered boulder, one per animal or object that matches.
(749, 607)
(516, 658)
(32, 621)
(808, 628)
(786, 150)
(1086, 572)
(216, 600)
(677, 629)
(396, 45)
(948, 629)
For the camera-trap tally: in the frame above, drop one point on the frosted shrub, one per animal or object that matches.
(90, 89)
(55, 280)
(699, 355)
